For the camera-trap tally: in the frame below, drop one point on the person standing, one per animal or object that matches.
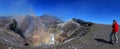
(115, 28)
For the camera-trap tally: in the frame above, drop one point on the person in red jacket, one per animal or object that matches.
(115, 28)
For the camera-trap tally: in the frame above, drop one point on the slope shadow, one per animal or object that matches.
(102, 40)
(18, 31)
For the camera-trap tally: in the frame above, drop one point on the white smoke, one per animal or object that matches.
(28, 32)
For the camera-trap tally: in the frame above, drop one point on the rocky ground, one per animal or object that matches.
(96, 38)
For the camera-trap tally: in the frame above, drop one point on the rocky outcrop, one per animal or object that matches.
(66, 30)
(12, 26)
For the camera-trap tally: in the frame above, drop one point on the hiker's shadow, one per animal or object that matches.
(102, 40)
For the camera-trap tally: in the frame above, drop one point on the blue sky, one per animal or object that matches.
(99, 11)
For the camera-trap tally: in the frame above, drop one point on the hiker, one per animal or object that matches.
(12, 26)
(115, 28)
